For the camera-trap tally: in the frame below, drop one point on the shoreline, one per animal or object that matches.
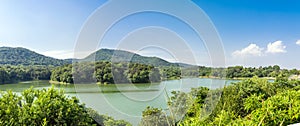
(202, 77)
(57, 82)
(236, 78)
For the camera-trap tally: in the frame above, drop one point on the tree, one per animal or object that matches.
(154, 117)
(42, 107)
(49, 107)
(4, 76)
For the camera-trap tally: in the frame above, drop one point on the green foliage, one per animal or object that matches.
(42, 107)
(104, 120)
(246, 72)
(49, 107)
(280, 109)
(252, 101)
(154, 117)
(11, 74)
(270, 71)
(204, 71)
(139, 73)
(106, 73)
(184, 108)
(178, 105)
(170, 73)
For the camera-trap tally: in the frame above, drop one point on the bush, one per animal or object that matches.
(252, 101)
(48, 107)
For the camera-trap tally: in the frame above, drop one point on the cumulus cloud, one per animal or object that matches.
(276, 47)
(251, 50)
(298, 42)
(255, 50)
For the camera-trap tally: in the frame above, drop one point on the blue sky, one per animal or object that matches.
(253, 32)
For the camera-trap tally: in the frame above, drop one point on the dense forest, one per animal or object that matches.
(12, 74)
(125, 56)
(106, 73)
(252, 101)
(22, 56)
(247, 72)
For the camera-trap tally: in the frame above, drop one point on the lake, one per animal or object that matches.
(124, 101)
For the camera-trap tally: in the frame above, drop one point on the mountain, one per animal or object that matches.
(185, 65)
(22, 56)
(125, 56)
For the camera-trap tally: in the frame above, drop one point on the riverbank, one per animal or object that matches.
(236, 78)
(57, 82)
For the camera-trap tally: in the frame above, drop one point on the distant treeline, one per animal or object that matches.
(109, 73)
(229, 72)
(248, 72)
(11, 74)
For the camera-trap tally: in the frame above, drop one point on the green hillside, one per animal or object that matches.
(22, 56)
(26, 57)
(125, 56)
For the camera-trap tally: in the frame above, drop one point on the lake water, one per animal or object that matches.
(124, 101)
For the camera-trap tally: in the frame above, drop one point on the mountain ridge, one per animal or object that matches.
(126, 56)
(24, 56)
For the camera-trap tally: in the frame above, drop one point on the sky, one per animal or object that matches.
(253, 32)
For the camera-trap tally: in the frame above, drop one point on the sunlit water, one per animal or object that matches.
(124, 101)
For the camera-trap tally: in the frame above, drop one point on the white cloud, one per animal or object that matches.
(276, 47)
(251, 50)
(60, 54)
(298, 42)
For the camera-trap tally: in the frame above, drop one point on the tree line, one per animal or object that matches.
(12, 74)
(253, 101)
(246, 72)
(106, 73)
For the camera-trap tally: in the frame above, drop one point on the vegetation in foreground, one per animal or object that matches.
(49, 107)
(253, 101)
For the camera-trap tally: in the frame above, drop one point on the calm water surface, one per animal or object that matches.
(124, 101)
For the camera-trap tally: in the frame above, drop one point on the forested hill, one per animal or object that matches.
(123, 56)
(22, 56)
